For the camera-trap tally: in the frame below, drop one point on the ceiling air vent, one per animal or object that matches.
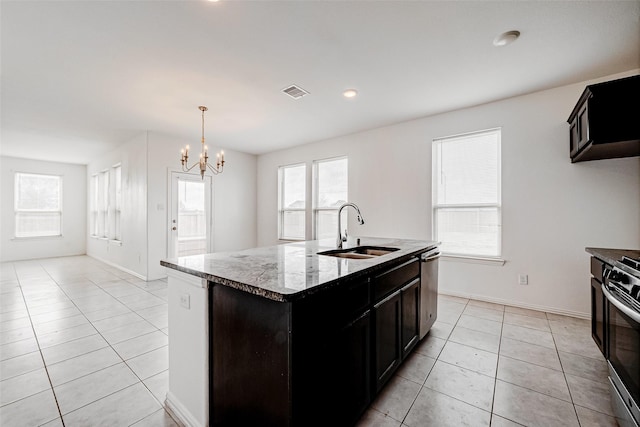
(295, 92)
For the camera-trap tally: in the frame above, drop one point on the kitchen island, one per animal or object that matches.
(294, 334)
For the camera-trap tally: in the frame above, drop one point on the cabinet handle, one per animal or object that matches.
(619, 305)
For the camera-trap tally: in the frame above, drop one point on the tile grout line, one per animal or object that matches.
(437, 358)
(140, 380)
(495, 379)
(564, 375)
(98, 333)
(44, 363)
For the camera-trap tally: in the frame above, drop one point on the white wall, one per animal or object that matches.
(234, 199)
(131, 254)
(552, 209)
(147, 161)
(74, 188)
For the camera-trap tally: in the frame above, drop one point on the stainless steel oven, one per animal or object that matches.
(622, 291)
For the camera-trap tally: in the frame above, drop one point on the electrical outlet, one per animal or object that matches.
(523, 279)
(185, 301)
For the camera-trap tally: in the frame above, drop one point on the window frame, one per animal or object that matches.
(315, 209)
(17, 210)
(93, 205)
(436, 170)
(115, 234)
(102, 199)
(282, 210)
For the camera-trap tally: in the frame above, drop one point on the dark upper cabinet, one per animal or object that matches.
(605, 123)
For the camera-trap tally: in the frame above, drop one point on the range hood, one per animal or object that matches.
(605, 123)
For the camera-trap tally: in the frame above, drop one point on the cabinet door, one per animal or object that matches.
(598, 326)
(583, 125)
(410, 316)
(388, 348)
(574, 137)
(352, 385)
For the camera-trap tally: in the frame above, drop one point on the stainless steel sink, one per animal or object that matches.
(359, 252)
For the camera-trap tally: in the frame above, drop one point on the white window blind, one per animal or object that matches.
(330, 192)
(38, 205)
(292, 202)
(117, 205)
(102, 200)
(93, 205)
(466, 199)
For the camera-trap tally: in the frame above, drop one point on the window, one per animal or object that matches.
(38, 205)
(292, 202)
(466, 199)
(117, 205)
(105, 204)
(93, 203)
(102, 201)
(330, 192)
(192, 216)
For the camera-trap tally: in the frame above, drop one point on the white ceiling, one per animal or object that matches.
(81, 77)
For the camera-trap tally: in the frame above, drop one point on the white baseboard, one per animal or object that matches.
(119, 267)
(554, 310)
(179, 412)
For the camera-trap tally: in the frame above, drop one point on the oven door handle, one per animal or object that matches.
(619, 305)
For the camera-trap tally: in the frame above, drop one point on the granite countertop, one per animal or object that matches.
(613, 256)
(290, 271)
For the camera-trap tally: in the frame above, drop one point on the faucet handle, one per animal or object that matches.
(344, 239)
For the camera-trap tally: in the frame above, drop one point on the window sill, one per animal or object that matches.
(115, 242)
(473, 260)
(290, 240)
(99, 238)
(30, 238)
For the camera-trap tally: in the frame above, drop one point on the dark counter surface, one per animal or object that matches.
(290, 271)
(613, 256)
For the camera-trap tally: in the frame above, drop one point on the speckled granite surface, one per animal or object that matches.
(290, 271)
(613, 256)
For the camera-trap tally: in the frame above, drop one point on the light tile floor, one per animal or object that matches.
(81, 344)
(488, 364)
(85, 343)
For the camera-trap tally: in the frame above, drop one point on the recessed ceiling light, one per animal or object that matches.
(214, 1)
(506, 38)
(350, 93)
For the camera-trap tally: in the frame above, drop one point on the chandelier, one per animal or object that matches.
(204, 155)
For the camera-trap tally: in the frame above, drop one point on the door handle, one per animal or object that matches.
(174, 228)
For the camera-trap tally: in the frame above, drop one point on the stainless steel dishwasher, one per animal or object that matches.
(428, 289)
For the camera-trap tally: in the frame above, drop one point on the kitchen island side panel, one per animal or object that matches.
(251, 353)
(188, 395)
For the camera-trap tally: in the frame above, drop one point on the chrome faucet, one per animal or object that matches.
(360, 221)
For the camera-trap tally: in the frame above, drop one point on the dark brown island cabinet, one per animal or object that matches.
(317, 361)
(605, 122)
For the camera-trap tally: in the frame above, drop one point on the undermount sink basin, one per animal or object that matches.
(359, 252)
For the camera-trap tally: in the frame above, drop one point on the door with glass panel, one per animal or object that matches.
(190, 219)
